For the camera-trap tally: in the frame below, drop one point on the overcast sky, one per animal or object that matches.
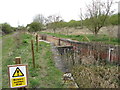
(22, 12)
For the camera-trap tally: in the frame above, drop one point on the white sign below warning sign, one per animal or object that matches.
(18, 76)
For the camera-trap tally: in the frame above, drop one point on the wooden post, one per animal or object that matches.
(33, 58)
(59, 41)
(17, 60)
(37, 42)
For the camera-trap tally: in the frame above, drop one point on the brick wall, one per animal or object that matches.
(100, 51)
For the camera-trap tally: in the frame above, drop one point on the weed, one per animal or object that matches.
(34, 83)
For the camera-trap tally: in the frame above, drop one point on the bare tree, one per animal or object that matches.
(53, 21)
(54, 18)
(39, 18)
(81, 18)
(97, 14)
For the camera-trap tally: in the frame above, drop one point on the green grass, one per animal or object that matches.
(92, 38)
(0, 63)
(44, 75)
(12, 47)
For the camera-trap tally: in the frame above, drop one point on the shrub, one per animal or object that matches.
(6, 28)
(34, 27)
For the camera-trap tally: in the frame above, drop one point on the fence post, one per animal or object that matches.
(37, 42)
(33, 58)
(59, 41)
(17, 60)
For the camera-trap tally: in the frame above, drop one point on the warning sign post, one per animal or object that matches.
(18, 76)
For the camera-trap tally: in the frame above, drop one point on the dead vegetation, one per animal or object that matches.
(92, 73)
(96, 74)
(87, 60)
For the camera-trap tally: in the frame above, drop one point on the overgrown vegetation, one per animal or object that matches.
(44, 75)
(97, 76)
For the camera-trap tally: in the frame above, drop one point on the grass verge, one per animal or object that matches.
(44, 75)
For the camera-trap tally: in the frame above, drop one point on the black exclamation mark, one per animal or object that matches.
(17, 72)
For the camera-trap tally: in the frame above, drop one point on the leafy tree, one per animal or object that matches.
(6, 28)
(34, 27)
(114, 19)
(73, 23)
(62, 24)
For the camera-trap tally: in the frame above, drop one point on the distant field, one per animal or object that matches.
(113, 31)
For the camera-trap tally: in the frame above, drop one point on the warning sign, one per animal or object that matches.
(18, 75)
(18, 81)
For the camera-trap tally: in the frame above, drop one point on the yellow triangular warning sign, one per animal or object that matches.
(18, 73)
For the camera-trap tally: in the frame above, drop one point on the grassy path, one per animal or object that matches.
(48, 76)
(45, 75)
